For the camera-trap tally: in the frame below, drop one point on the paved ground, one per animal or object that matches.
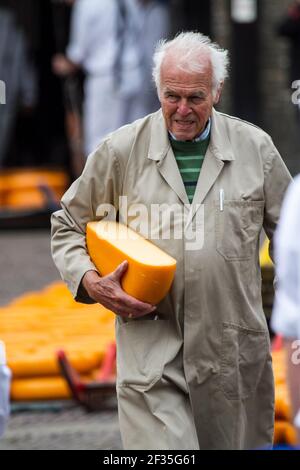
(25, 262)
(70, 428)
(26, 265)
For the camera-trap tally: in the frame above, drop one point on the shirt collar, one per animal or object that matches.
(203, 136)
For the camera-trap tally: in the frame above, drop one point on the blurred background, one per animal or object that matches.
(34, 32)
(62, 61)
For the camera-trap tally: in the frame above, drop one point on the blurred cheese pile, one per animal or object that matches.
(36, 325)
(31, 188)
(285, 432)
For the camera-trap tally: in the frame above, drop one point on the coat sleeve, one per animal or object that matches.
(89, 197)
(276, 181)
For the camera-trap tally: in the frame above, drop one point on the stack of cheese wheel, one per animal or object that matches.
(284, 431)
(22, 189)
(150, 270)
(37, 325)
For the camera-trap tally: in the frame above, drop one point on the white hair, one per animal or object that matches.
(189, 48)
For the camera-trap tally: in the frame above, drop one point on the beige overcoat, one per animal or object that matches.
(201, 374)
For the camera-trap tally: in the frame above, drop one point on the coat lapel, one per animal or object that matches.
(210, 171)
(160, 150)
(169, 170)
(218, 154)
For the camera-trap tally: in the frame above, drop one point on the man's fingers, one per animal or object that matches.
(120, 271)
(129, 301)
(114, 298)
(136, 305)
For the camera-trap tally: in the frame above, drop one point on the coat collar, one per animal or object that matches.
(219, 140)
(160, 150)
(218, 153)
(159, 139)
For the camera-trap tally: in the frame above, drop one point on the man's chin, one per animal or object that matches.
(183, 136)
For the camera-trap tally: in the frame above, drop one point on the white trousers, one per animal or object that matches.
(105, 111)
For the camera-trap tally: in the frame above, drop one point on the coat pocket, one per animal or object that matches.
(238, 227)
(243, 356)
(141, 351)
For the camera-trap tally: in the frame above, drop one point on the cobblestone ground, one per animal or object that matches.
(26, 265)
(70, 428)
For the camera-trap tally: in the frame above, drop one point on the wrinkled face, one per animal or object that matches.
(186, 99)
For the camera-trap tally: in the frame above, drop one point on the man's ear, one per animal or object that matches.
(218, 93)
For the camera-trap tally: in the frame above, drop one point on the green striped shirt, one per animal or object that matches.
(189, 157)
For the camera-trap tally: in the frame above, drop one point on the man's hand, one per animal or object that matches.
(62, 66)
(108, 292)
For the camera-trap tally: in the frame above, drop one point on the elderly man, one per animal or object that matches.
(194, 371)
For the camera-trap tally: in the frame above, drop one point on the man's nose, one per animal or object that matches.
(184, 108)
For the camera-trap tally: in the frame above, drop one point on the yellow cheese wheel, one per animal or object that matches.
(31, 198)
(282, 402)
(150, 271)
(35, 365)
(39, 388)
(284, 433)
(21, 188)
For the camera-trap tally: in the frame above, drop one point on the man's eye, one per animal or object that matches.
(197, 99)
(172, 98)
